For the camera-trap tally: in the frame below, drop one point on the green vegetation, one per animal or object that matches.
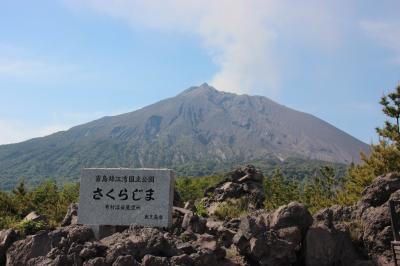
(31, 227)
(231, 208)
(193, 188)
(46, 199)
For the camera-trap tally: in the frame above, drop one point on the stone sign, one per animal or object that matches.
(125, 196)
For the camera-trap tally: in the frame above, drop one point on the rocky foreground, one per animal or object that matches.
(359, 235)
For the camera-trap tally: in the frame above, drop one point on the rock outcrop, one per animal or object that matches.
(7, 237)
(373, 213)
(357, 235)
(273, 238)
(244, 183)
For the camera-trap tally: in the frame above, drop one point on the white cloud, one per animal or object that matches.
(385, 33)
(240, 35)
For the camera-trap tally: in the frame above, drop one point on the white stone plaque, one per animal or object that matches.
(124, 196)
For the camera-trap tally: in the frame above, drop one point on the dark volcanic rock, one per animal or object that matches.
(329, 246)
(373, 212)
(182, 260)
(150, 260)
(127, 260)
(72, 215)
(244, 183)
(52, 245)
(7, 237)
(293, 214)
(194, 223)
(273, 239)
(33, 246)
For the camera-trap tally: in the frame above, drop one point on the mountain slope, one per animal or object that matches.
(197, 125)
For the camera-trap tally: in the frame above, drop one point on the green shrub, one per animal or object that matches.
(31, 227)
(201, 209)
(192, 188)
(232, 208)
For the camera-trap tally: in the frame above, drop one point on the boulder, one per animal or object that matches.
(293, 214)
(273, 239)
(329, 246)
(79, 233)
(7, 238)
(374, 215)
(336, 214)
(127, 260)
(35, 217)
(194, 223)
(150, 260)
(72, 215)
(32, 246)
(96, 262)
(178, 202)
(243, 183)
(210, 243)
(378, 192)
(182, 260)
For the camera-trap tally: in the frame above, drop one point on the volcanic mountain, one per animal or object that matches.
(201, 124)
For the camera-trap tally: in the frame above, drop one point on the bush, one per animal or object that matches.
(193, 188)
(232, 208)
(201, 209)
(31, 227)
(47, 199)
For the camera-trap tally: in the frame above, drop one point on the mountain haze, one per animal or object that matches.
(199, 124)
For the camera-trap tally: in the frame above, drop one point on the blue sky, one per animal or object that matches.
(63, 63)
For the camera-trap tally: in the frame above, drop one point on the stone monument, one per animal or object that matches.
(123, 196)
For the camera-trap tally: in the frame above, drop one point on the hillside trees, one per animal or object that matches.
(47, 199)
(384, 156)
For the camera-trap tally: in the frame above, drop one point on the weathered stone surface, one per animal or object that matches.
(33, 246)
(204, 258)
(7, 237)
(194, 223)
(245, 182)
(35, 217)
(96, 262)
(178, 202)
(150, 260)
(80, 234)
(186, 248)
(60, 260)
(72, 215)
(336, 214)
(124, 196)
(293, 214)
(329, 246)
(373, 213)
(275, 239)
(127, 260)
(182, 260)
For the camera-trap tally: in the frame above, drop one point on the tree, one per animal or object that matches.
(20, 190)
(280, 190)
(384, 156)
(391, 108)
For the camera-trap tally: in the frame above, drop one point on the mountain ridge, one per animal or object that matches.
(199, 124)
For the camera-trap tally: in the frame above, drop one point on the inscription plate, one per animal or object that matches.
(123, 196)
